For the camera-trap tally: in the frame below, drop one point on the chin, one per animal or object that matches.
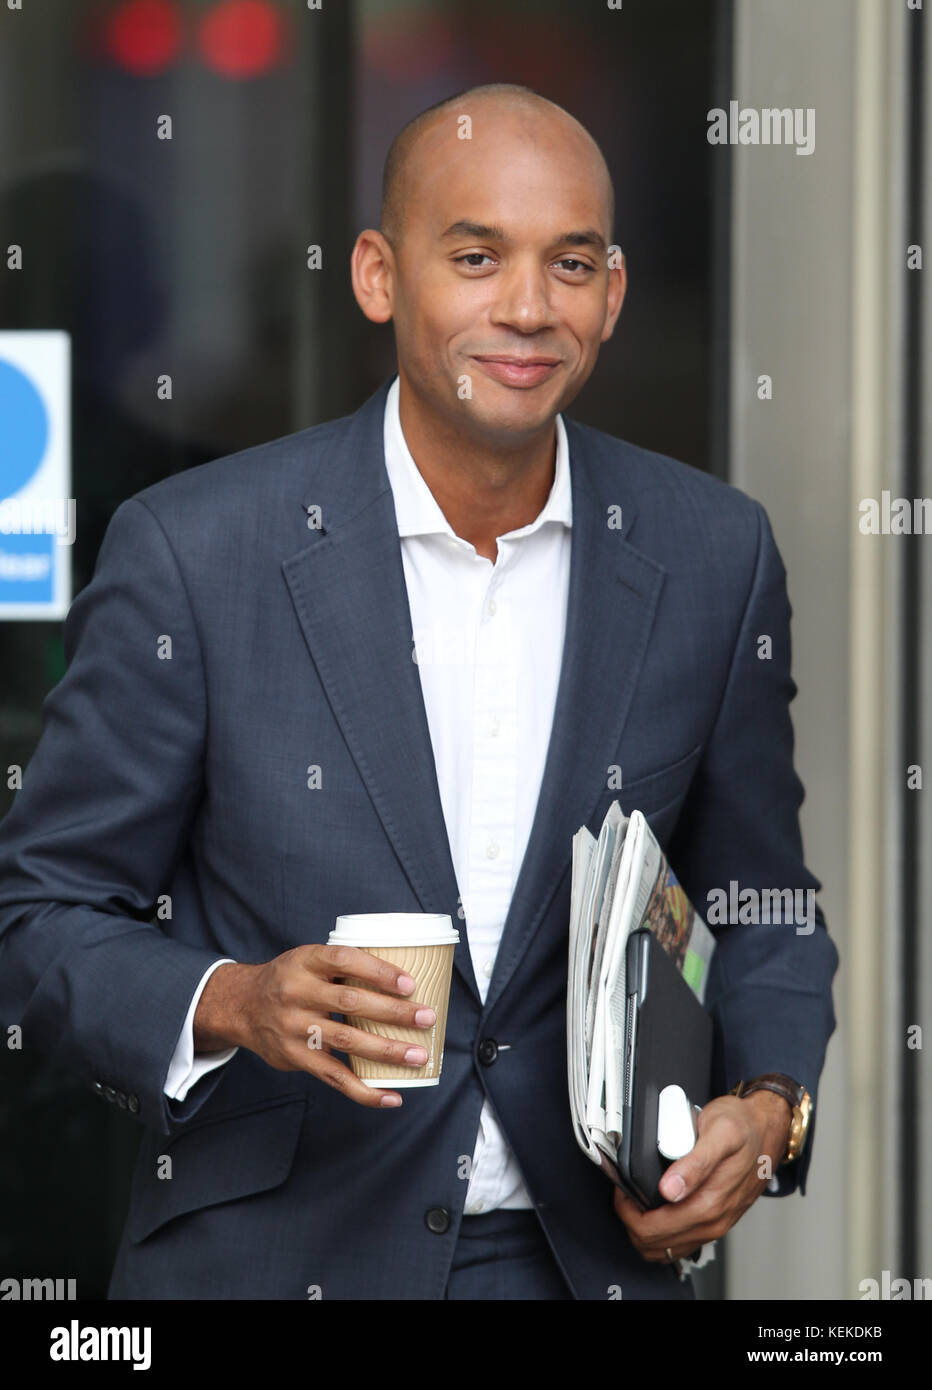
(503, 423)
(526, 408)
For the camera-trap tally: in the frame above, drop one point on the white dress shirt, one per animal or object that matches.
(501, 626)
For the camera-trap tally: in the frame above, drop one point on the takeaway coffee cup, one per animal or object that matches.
(422, 945)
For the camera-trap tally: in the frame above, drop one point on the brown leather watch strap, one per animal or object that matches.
(791, 1091)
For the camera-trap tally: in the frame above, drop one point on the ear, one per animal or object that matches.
(617, 287)
(372, 267)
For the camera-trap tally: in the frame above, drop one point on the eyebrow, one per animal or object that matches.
(587, 236)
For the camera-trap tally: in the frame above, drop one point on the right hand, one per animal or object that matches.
(281, 1011)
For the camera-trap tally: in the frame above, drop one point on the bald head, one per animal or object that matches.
(499, 102)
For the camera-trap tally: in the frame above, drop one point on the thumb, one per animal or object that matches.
(673, 1185)
(690, 1172)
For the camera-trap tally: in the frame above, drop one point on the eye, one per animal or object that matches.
(473, 257)
(572, 261)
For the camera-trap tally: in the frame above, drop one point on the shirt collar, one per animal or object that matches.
(416, 508)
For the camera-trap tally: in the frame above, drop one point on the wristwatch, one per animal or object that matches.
(798, 1099)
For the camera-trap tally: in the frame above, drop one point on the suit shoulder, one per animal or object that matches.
(250, 501)
(659, 477)
(685, 519)
(234, 479)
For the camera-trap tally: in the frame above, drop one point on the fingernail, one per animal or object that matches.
(425, 1017)
(417, 1055)
(390, 1100)
(674, 1188)
(405, 984)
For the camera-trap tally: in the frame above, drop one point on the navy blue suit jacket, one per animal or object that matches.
(188, 776)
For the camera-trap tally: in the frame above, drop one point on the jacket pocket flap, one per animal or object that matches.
(659, 788)
(214, 1162)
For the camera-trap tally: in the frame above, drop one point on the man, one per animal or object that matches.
(388, 664)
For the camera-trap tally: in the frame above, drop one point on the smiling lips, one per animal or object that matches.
(518, 371)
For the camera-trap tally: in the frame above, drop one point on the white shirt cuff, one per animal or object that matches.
(185, 1069)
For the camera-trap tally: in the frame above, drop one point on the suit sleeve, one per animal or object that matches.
(96, 830)
(770, 985)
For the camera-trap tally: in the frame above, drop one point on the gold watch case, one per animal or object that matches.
(796, 1096)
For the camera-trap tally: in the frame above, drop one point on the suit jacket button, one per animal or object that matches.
(488, 1051)
(110, 1093)
(121, 1099)
(99, 1087)
(438, 1220)
(132, 1103)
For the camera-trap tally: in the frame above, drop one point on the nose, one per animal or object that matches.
(523, 302)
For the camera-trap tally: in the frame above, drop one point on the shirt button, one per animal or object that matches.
(487, 970)
(476, 1207)
(492, 607)
(491, 850)
(494, 728)
(488, 1051)
(437, 1219)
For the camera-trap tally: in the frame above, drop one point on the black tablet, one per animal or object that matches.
(668, 1042)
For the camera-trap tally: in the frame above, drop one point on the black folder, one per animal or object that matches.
(668, 1041)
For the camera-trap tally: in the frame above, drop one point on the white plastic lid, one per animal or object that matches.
(394, 929)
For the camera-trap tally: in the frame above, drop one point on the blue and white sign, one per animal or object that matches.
(37, 510)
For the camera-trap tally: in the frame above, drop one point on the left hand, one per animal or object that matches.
(713, 1186)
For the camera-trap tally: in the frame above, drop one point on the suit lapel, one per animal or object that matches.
(349, 593)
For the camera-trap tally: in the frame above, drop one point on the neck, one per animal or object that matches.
(483, 490)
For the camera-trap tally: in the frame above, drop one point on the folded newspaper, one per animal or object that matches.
(620, 883)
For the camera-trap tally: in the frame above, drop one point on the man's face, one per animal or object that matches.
(501, 278)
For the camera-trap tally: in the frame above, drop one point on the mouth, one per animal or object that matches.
(518, 371)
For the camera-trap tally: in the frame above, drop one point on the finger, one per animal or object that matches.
(336, 961)
(350, 1000)
(625, 1206)
(720, 1137)
(357, 1042)
(663, 1256)
(680, 1242)
(650, 1228)
(653, 1231)
(327, 1069)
